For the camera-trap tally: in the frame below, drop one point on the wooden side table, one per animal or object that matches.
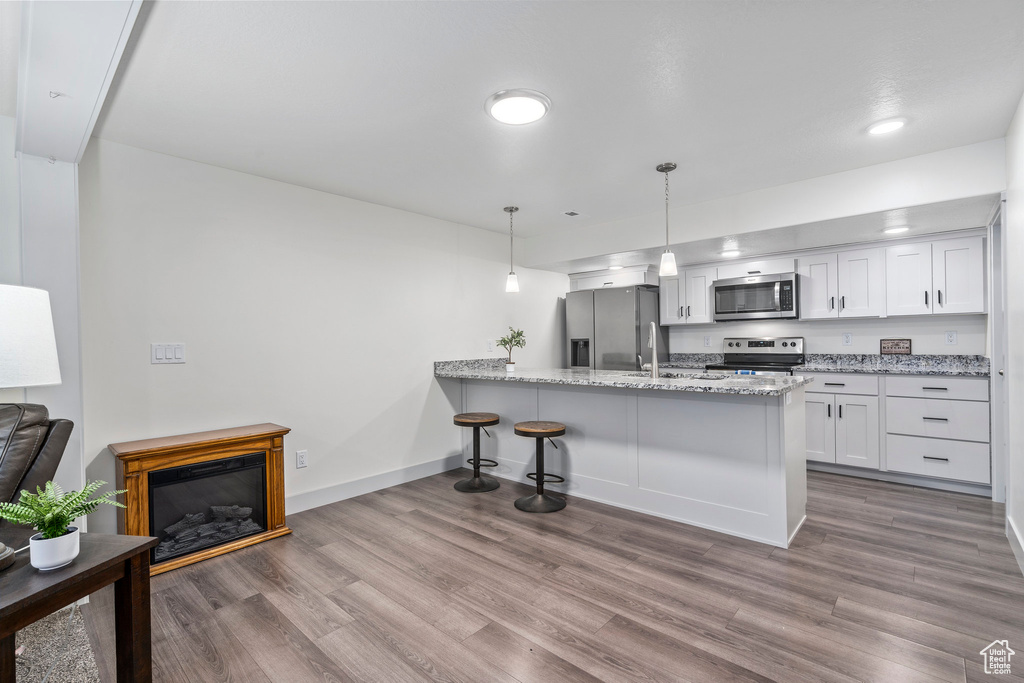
(27, 595)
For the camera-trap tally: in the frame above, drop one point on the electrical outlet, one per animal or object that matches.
(707, 340)
(847, 339)
(300, 459)
(951, 337)
(490, 346)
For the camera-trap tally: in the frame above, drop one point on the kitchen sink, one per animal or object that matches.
(680, 375)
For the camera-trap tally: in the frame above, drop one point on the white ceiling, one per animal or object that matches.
(383, 101)
(928, 219)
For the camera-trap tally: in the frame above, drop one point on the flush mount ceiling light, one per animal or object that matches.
(896, 230)
(517, 107)
(614, 267)
(731, 253)
(512, 283)
(668, 259)
(887, 126)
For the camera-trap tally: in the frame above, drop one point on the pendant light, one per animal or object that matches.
(668, 259)
(512, 283)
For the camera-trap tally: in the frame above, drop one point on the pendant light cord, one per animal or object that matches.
(511, 267)
(666, 209)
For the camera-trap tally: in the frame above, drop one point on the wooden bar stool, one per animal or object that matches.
(540, 501)
(478, 483)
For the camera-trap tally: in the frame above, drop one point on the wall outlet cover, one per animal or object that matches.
(707, 340)
(951, 337)
(490, 345)
(847, 339)
(300, 459)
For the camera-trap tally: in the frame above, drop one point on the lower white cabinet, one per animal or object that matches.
(938, 458)
(842, 428)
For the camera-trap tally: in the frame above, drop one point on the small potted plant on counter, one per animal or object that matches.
(50, 511)
(514, 340)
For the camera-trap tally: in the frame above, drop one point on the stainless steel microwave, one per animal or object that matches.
(756, 297)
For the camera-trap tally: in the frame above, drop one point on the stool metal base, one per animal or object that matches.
(477, 484)
(540, 502)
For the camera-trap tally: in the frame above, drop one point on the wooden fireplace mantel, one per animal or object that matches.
(136, 459)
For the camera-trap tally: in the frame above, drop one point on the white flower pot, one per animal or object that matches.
(510, 368)
(53, 553)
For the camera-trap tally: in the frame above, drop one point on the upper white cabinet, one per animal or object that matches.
(766, 267)
(946, 276)
(958, 275)
(687, 299)
(849, 284)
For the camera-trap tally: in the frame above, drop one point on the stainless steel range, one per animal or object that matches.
(760, 356)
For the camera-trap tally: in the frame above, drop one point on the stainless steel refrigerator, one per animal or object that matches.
(609, 329)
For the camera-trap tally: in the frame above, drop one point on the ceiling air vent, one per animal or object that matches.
(572, 213)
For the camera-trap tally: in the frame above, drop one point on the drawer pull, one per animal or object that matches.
(931, 457)
(828, 410)
(835, 384)
(935, 388)
(936, 419)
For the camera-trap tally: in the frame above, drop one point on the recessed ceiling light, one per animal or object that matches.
(887, 126)
(732, 253)
(614, 267)
(897, 230)
(516, 107)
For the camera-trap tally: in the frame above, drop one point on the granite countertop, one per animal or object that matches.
(873, 364)
(728, 384)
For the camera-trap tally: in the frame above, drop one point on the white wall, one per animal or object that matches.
(927, 334)
(1013, 226)
(10, 225)
(968, 171)
(317, 312)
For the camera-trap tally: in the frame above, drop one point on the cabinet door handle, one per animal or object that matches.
(840, 411)
(832, 304)
(939, 292)
(935, 388)
(682, 311)
(828, 410)
(687, 311)
(926, 298)
(936, 419)
(835, 384)
(842, 302)
(930, 457)
(753, 272)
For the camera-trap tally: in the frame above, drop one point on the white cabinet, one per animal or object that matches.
(819, 286)
(687, 299)
(908, 277)
(946, 276)
(842, 420)
(849, 284)
(766, 267)
(958, 275)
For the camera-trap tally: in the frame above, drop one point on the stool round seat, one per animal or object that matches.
(478, 483)
(541, 501)
(476, 419)
(539, 429)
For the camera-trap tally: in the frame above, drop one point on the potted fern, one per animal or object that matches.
(514, 340)
(51, 511)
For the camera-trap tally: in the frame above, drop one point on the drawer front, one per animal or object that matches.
(960, 388)
(842, 383)
(941, 419)
(938, 458)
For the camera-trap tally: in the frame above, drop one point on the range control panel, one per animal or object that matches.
(766, 345)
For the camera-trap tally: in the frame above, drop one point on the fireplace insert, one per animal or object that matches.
(194, 507)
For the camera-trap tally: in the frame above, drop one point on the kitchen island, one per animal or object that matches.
(724, 453)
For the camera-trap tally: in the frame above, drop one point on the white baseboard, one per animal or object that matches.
(351, 489)
(1016, 542)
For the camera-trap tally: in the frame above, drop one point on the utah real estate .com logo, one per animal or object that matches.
(997, 657)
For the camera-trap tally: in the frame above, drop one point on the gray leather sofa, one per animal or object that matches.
(31, 446)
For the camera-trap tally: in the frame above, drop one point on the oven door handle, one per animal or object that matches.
(778, 300)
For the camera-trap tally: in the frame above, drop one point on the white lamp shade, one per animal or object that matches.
(668, 265)
(28, 347)
(512, 283)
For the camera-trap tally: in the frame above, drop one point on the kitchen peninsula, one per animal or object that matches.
(724, 453)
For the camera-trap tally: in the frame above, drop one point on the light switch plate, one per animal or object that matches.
(847, 339)
(160, 354)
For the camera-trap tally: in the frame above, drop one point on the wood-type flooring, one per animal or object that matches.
(419, 582)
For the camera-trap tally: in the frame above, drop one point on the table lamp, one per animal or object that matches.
(28, 350)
